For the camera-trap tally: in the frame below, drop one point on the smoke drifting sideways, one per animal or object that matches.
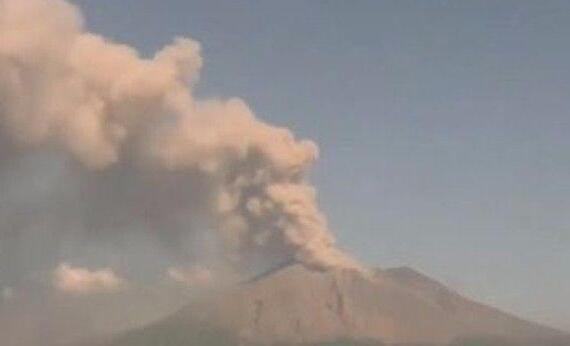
(141, 153)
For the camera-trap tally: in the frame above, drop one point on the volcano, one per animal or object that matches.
(292, 305)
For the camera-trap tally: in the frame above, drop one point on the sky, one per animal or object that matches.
(442, 126)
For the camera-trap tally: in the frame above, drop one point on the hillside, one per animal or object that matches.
(294, 305)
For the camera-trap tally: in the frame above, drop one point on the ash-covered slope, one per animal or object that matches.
(295, 305)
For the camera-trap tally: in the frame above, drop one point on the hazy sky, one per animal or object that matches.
(443, 125)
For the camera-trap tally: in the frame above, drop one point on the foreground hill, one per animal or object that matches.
(294, 305)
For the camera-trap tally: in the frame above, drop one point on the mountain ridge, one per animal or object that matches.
(294, 305)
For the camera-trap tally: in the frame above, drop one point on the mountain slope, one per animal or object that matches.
(294, 305)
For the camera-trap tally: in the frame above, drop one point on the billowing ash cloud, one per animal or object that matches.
(148, 150)
(76, 280)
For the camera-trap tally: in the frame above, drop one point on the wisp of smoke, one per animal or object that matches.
(105, 106)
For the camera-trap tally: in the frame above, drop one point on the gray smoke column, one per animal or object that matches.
(106, 106)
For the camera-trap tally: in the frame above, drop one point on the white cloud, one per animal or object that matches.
(78, 280)
(194, 276)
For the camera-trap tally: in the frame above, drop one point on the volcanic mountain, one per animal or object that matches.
(294, 305)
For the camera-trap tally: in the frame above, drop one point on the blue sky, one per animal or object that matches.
(443, 125)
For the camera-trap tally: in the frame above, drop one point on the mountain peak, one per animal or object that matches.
(292, 304)
(415, 280)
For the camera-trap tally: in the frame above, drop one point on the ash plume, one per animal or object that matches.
(147, 148)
